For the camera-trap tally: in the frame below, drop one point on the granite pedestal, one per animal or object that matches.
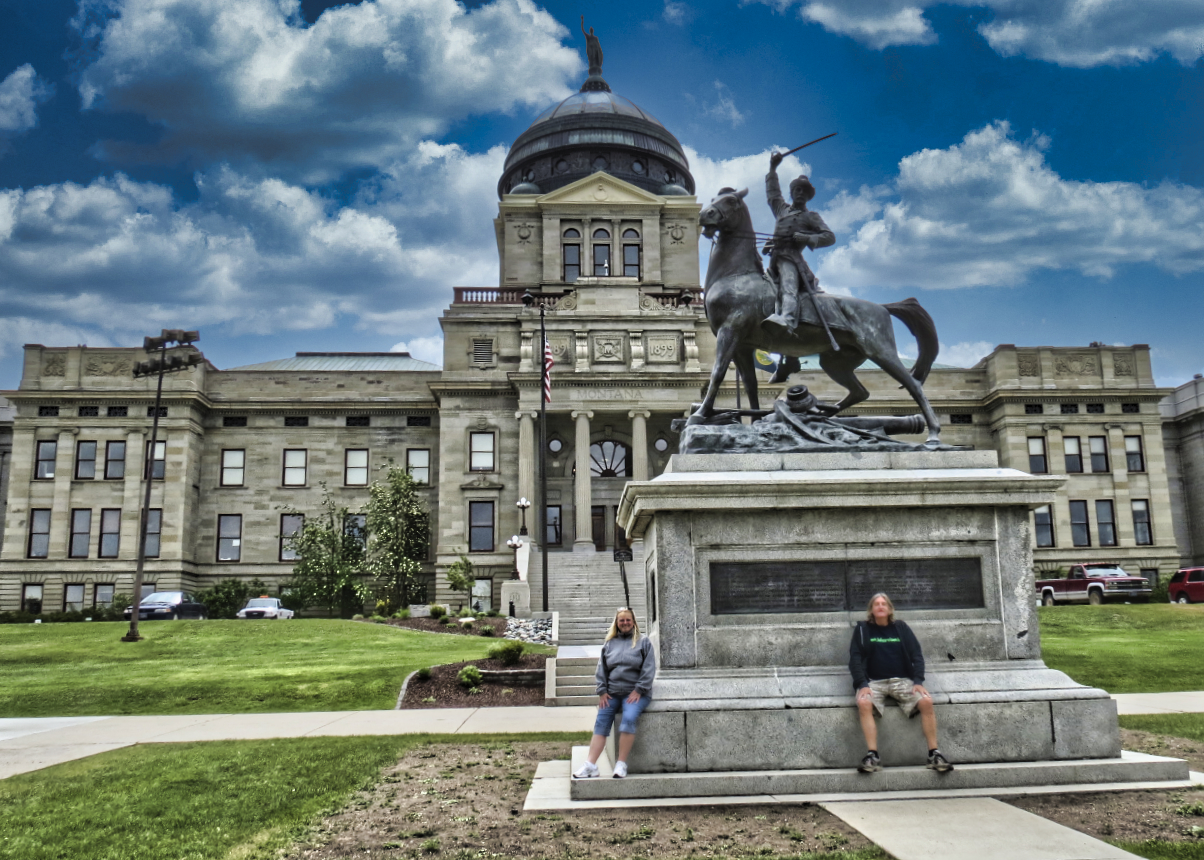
(758, 568)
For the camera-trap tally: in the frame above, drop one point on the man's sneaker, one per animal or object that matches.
(938, 762)
(871, 763)
(585, 771)
(620, 769)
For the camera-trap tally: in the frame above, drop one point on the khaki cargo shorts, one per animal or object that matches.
(902, 690)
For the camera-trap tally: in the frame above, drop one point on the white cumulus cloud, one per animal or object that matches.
(20, 94)
(422, 348)
(1067, 32)
(249, 81)
(990, 211)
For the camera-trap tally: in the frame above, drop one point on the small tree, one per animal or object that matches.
(230, 595)
(330, 560)
(460, 576)
(400, 526)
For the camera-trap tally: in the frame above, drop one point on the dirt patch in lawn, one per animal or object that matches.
(465, 801)
(1132, 816)
(447, 691)
(430, 625)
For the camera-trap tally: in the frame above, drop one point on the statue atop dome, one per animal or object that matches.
(593, 52)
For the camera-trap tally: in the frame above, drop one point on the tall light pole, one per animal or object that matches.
(161, 364)
(522, 504)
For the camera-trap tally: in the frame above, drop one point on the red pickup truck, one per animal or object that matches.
(1094, 583)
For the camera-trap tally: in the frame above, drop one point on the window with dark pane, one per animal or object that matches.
(480, 527)
(31, 598)
(110, 532)
(358, 421)
(1080, 528)
(118, 411)
(114, 461)
(156, 464)
(73, 597)
(355, 526)
(150, 412)
(1074, 453)
(1099, 453)
(1134, 456)
(290, 528)
(102, 594)
(418, 421)
(1130, 408)
(1105, 522)
(1095, 409)
(601, 247)
(631, 254)
(46, 453)
(85, 461)
(48, 412)
(234, 421)
(571, 253)
(961, 418)
(81, 532)
(154, 531)
(1043, 520)
(555, 535)
(1033, 409)
(1037, 463)
(610, 459)
(89, 412)
(1069, 409)
(296, 420)
(229, 537)
(1143, 535)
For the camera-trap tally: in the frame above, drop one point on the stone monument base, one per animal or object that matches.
(518, 592)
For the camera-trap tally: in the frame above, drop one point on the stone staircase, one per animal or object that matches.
(586, 589)
(574, 678)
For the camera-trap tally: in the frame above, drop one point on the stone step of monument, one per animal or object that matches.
(1129, 768)
(572, 701)
(581, 690)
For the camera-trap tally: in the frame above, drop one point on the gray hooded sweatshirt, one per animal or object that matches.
(622, 668)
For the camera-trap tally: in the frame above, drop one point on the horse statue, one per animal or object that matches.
(739, 295)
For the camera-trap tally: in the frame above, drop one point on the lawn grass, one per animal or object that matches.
(1190, 726)
(194, 801)
(1143, 648)
(188, 667)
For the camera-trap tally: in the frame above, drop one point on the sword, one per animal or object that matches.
(805, 145)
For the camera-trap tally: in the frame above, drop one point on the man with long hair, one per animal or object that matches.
(886, 662)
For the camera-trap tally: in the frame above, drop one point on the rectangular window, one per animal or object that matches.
(356, 526)
(154, 531)
(48, 412)
(961, 418)
(85, 461)
(295, 461)
(482, 350)
(148, 588)
(601, 261)
(81, 532)
(290, 527)
(1069, 409)
(229, 537)
(102, 594)
(358, 421)
(89, 412)
(355, 467)
(110, 532)
(1130, 408)
(631, 261)
(296, 420)
(1033, 409)
(114, 461)
(39, 533)
(555, 535)
(1134, 456)
(1143, 535)
(1036, 455)
(1099, 453)
(480, 526)
(480, 452)
(234, 421)
(234, 466)
(1151, 573)
(73, 597)
(31, 598)
(1095, 409)
(150, 412)
(418, 464)
(1105, 522)
(47, 451)
(1043, 518)
(156, 466)
(418, 421)
(1080, 529)
(1074, 454)
(572, 263)
(118, 411)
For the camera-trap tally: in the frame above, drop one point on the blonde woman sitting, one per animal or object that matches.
(624, 685)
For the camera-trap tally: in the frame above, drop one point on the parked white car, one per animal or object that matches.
(265, 607)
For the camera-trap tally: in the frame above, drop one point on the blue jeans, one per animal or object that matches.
(618, 704)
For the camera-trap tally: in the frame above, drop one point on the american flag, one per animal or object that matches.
(547, 372)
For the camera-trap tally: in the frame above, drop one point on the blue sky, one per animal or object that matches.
(286, 176)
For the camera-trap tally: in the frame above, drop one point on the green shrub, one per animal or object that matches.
(378, 619)
(487, 631)
(470, 676)
(508, 653)
(431, 846)
(466, 612)
(357, 617)
(468, 623)
(492, 613)
(1161, 593)
(228, 596)
(423, 674)
(438, 611)
(402, 613)
(450, 621)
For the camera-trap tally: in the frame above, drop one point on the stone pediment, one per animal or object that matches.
(599, 188)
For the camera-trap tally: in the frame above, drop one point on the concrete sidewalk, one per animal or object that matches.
(1160, 703)
(31, 744)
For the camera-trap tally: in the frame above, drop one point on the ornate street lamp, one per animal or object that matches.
(515, 543)
(157, 365)
(522, 505)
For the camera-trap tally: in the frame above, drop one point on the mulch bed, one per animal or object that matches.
(430, 625)
(447, 691)
(455, 801)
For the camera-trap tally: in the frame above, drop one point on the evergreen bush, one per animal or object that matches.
(508, 653)
(469, 676)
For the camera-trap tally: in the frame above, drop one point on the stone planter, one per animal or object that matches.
(514, 677)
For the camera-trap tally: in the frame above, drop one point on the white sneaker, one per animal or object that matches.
(620, 769)
(585, 771)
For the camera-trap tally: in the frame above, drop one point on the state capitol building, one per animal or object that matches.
(597, 207)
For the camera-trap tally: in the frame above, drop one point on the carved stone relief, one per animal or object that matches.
(54, 364)
(1074, 365)
(560, 348)
(567, 303)
(1029, 365)
(677, 233)
(608, 348)
(98, 366)
(524, 232)
(1122, 365)
(662, 349)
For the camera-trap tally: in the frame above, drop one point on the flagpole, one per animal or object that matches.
(543, 450)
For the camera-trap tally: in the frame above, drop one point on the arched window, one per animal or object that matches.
(601, 253)
(610, 460)
(572, 255)
(631, 254)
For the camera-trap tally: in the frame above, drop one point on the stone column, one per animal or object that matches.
(639, 445)
(60, 511)
(583, 539)
(1055, 464)
(131, 504)
(527, 460)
